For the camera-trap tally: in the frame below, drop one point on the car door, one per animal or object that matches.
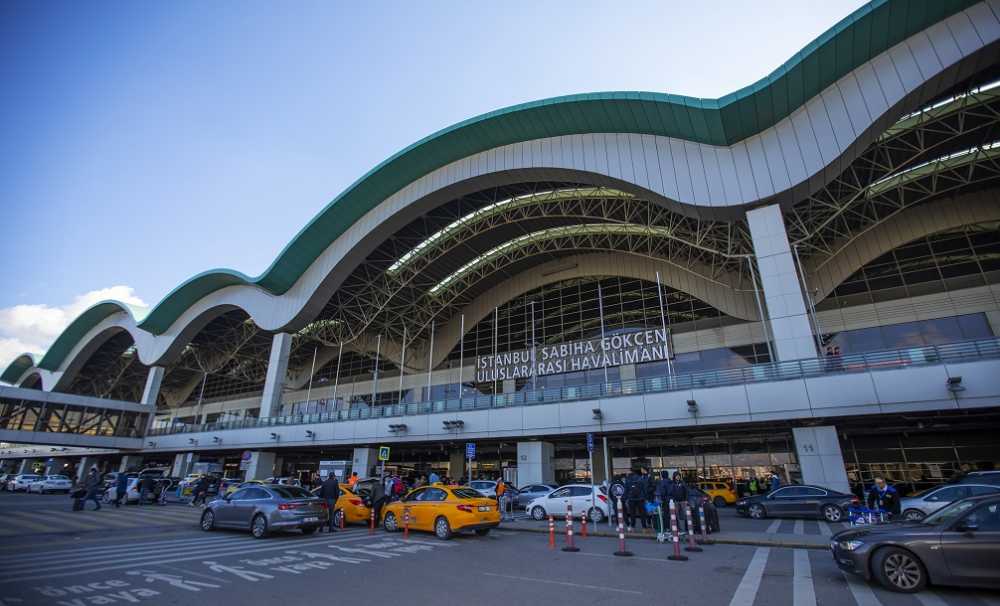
(556, 502)
(225, 510)
(971, 546)
(784, 501)
(427, 507)
(246, 505)
(580, 498)
(413, 502)
(810, 501)
(943, 496)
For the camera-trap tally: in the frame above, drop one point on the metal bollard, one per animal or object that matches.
(690, 529)
(552, 532)
(621, 534)
(343, 515)
(406, 523)
(675, 535)
(569, 530)
(371, 525)
(704, 540)
(583, 524)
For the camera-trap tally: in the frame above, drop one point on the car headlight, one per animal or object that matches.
(741, 502)
(850, 545)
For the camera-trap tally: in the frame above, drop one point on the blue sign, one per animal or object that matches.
(470, 450)
(590, 442)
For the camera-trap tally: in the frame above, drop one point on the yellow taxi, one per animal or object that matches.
(233, 487)
(443, 510)
(350, 506)
(720, 492)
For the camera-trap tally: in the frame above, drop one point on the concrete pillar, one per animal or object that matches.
(130, 462)
(782, 291)
(182, 464)
(534, 463)
(25, 466)
(456, 466)
(83, 468)
(277, 368)
(260, 466)
(598, 461)
(363, 462)
(150, 392)
(820, 458)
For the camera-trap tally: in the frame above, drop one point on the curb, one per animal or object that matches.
(715, 538)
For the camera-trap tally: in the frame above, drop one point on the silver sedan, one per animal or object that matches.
(264, 508)
(923, 504)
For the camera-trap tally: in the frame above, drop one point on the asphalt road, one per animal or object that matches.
(157, 555)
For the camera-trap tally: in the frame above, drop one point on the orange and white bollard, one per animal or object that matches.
(406, 523)
(704, 540)
(552, 532)
(621, 534)
(583, 524)
(371, 525)
(690, 529)
(569, 530)
(675, 535)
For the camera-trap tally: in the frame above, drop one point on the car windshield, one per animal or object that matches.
(466, 493)
(289, 492)
(924, 492)
(58, 478)
(948, 514)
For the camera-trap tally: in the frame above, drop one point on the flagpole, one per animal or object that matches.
(430, 360)
(312, 371)
(378, 351)
(663, 322)
(461, 359)
(336, 380)
(402, 366)
(604, 355)
(534, 359)
(496, 332)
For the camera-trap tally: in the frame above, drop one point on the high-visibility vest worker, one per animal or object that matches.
(353, 480)
(500, 489)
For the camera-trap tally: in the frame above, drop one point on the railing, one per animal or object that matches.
(757, 373)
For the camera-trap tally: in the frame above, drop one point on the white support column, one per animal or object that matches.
(277, 367)
(130, 463)
(260, 466)
(363, 462)
(786, 307)
(820, 457)
(150, 393)
(182, 464)
(84, 467)
(534, 463)
(25, 466)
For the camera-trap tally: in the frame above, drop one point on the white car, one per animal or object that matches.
(923, 504)
(22, 481)
(54, 483)
(583, 497)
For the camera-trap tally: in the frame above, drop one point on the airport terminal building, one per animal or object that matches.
(801, 277)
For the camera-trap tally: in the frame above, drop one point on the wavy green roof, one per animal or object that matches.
(856, 39)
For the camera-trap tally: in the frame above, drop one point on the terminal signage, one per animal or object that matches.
(470, 450)
(616, 350)
(383, 453)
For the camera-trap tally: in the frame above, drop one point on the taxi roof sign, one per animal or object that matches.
(383, 453)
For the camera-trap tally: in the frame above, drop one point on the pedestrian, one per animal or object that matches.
(775, 482)
(753, 485)
(500, 490)
(663, 489)
(121, 488)
(354, 479)
(200, 491)
(434, 478)
(678, 493)
(329, 491)
(635, 498)
(92, 484)
(883, 497)
(378, 500)
(145, 487)
(78, 493)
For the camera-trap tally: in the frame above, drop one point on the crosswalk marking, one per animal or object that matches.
(800, 527)
(47, 522)
(803, 591)
(19, 522)
(863, 594)
(773, 528)
(929, 598)
(746, 592)
(824, 529)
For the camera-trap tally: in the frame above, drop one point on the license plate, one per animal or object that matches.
(485, 508)
(311, 520)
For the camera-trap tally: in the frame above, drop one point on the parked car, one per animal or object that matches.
(51, 483)
(349, 504)
(721, 493)
(527, 494)
(5, 478)
(583, 498)
(981, 477)
(443, 510)
(798, 501)
(488, 488)
(156, 472)
(265, 508)
(957, 545)
(283, 481)
(922, 504)
(21, 482)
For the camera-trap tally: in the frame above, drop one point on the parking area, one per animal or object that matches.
(157, 555)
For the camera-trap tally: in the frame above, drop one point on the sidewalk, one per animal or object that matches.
(732, 537)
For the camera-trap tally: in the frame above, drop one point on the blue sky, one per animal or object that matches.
(146, 142)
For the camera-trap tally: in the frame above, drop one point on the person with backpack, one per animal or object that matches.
(678, 493)
(92, 485)
(635, 500)
(398, 488)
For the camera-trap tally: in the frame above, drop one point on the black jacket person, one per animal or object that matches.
(329, 491)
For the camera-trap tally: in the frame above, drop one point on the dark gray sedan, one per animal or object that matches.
(956, 545)
(263, 508)
(527, 494)
(798, 502)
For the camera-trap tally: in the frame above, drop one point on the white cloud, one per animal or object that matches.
(32, 328)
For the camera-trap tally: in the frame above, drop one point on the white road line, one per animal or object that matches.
(863, 594)
(563, 583)
(136, 564)
(824, 529)
(746, 592)
(85, 551)
(773, 528)
(138, 551)
(929, 598)
(803, 591)
(800, 527)
(42, 522)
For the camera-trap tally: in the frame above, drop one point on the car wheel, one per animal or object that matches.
(258, 527)
(390, 523)
(208, 521)
(442, 529)
(719, 502)
(482, 532)
(307, 530)
(757, 512)
(537, 513)
(832, 513)
(595, 515)
(338, 518)
(899, 570)
(913, 515)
